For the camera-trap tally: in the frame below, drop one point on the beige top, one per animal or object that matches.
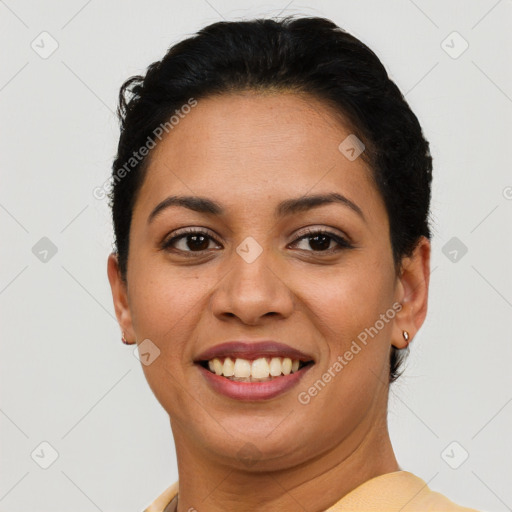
(399, 491)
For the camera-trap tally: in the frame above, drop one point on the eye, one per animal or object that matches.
(193, 240)
(321, 241)
(190, 240)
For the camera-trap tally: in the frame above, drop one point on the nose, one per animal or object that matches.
(252, 292)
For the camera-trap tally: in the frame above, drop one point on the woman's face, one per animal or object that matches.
(255, 276)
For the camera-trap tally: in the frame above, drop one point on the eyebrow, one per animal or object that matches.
(287, 207)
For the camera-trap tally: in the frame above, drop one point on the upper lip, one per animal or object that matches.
(252, 350)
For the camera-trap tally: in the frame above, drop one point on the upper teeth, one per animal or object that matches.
(258, 368)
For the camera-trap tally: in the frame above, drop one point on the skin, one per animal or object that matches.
(249, 151)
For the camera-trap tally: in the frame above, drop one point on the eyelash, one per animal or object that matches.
(309, 233)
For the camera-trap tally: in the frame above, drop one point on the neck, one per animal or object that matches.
(316, 484)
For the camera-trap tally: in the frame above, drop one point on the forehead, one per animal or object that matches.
(256, 147)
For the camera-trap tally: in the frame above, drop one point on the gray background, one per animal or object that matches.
(66, 378)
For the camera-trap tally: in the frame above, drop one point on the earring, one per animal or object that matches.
(123, 339)
(406, 337)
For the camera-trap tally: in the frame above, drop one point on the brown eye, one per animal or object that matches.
(197, 242)
(321, 241)
(190, 241)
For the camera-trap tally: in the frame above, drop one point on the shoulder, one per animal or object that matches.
(429, 500)
(398, 491)
(392, 492)
(159, 504)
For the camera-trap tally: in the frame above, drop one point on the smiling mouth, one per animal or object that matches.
(260, 369)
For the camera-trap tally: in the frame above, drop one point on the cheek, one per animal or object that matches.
(347, 314)
(165, 308)
(166, 305)
(346, 307)
(346, 300)
(163, 298)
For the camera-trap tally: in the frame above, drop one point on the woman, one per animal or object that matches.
(270, 203)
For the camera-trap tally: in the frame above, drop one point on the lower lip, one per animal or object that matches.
(253, 391)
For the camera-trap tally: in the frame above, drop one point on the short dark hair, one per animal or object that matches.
(307, 55)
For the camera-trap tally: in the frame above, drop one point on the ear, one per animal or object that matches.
(120, 297)
(412, 293)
